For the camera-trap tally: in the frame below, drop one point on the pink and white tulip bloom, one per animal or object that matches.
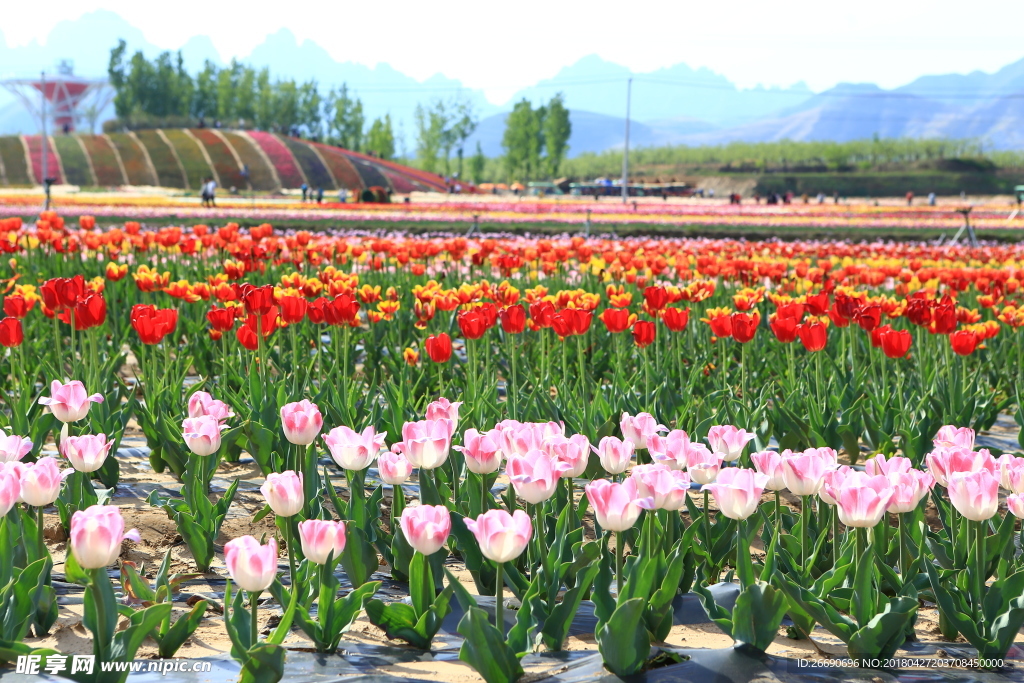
(86, 453)
(252, 566)
(69, 402)
(321, 537)
(667, 487)
(945, 462)
(616, 505)
(393, 468)
(40, 482)
(908, 488)
(729, 440)
(1015, 504)
(1011, 472)
(975, 495)
(769, 463)
(804, 472)
(520, 438)
(96, 536)
(615, 454)
(703, 464)
(10, 491)
(954, 437)
(202, 434)
(573, 452)
(301, 422)
(482, 450)
(502, 537)
(13, 447)
(737, 491)
(535, 475)
(832, 480)
(426, 443)
(638, 428)
(426, 527)
(861, 499)
(669, 449)
(887, 467)
(284, 494)
(354, 450)
(202, 404)
(443, 409)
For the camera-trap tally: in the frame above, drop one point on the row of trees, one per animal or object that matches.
(162, 93)
(536, 140)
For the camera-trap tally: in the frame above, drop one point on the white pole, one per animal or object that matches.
(45, 144)
(625, 149)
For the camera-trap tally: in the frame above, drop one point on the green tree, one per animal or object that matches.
(345, 119)
(311, 110)
(522, 140)
(430, 129)
(477, 162)
(204, 101)
(381, 138)
(557, 130)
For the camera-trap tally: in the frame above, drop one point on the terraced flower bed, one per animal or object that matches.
(104, 162)
(74, 161)
(341, 167)
(160, 153)
(222, 158)
(134, 160)
(316, 173)
(15, 167)
(196, 167)
(260, 176)
(280, 156)
(35, 153)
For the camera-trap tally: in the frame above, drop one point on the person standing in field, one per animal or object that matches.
(211, 192)
(205, 192)
(910, 198)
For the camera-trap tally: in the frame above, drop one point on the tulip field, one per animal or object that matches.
(507, 458)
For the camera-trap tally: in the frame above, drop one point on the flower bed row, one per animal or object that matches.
(280, 156)
(134, 159)
(104, 161)
(12, 152)
(35, 155)
(223, 160)
(73, 160)
(164, 162)
(316, 173)
(191, 155)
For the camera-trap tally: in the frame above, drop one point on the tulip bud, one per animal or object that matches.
(502, 537)
(251, 565)
(320, 538)
(301, 422)
(96, 536)
(426, 527)
(283, 492)
(352, 450)
(393, 468)
(69, 402)
(85, 453)
(40, 482)
(201, 434)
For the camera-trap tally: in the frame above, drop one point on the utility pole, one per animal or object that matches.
(625, 149)
(45, 143)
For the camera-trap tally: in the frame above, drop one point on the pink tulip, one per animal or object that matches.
(975, 495)
(354, 450)
(616, 506)
(729, 440)
(832, 480)
(803, 472)
(283, 491)
(637, 428)
(96, 536)
(737, 491)
(887, 467)
(10, 491)
(426, 527)
(443, 409)
(827, 454)
(769, 463)
(425, 443)
(13, 447)
(615, 454)
(573, 451)
(201, 404)
(86, 453)
(482, 451)
(524, 437)
(861, 499)
(1015, 503)
(69, 402)
(40, 482)
(954, 437)
(16, 469)
(668, 488)
(502, 537)
(302, 422)
(393, 468)
(202, 434)
(944, 462)
(669, 449)
(535, 475)
(252, 566)
(703, 464)
(321, 537)
(908, 488)
(1011, 472)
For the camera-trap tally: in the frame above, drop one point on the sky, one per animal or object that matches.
(502, 47)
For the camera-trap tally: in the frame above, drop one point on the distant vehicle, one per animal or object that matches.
(607, 189)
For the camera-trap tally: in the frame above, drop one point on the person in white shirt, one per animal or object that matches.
(211, 191)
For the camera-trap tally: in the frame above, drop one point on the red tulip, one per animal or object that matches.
(439, 347)
(869, 317)
(541, 313)
(293, 309)
(784, 329)
(17, 306)
(221, 319)
(473, 323)
(342, 310)
(656, 298)
(644, 332)
(676, 319)
(896, 343)
(744, 326)
(11, 333)
(877, 333)
(817, 304)
(513, 319)
(152, 323)
(616, 319)
(964, 342)
(258, 300)
(813, 335)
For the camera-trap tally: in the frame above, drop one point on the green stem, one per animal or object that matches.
(982, 568)
(618, 562)
(805, 524)
(707, 536)
(101, 641)
(499, 621)
(254, 633)
(291, 552)
(778, 513)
